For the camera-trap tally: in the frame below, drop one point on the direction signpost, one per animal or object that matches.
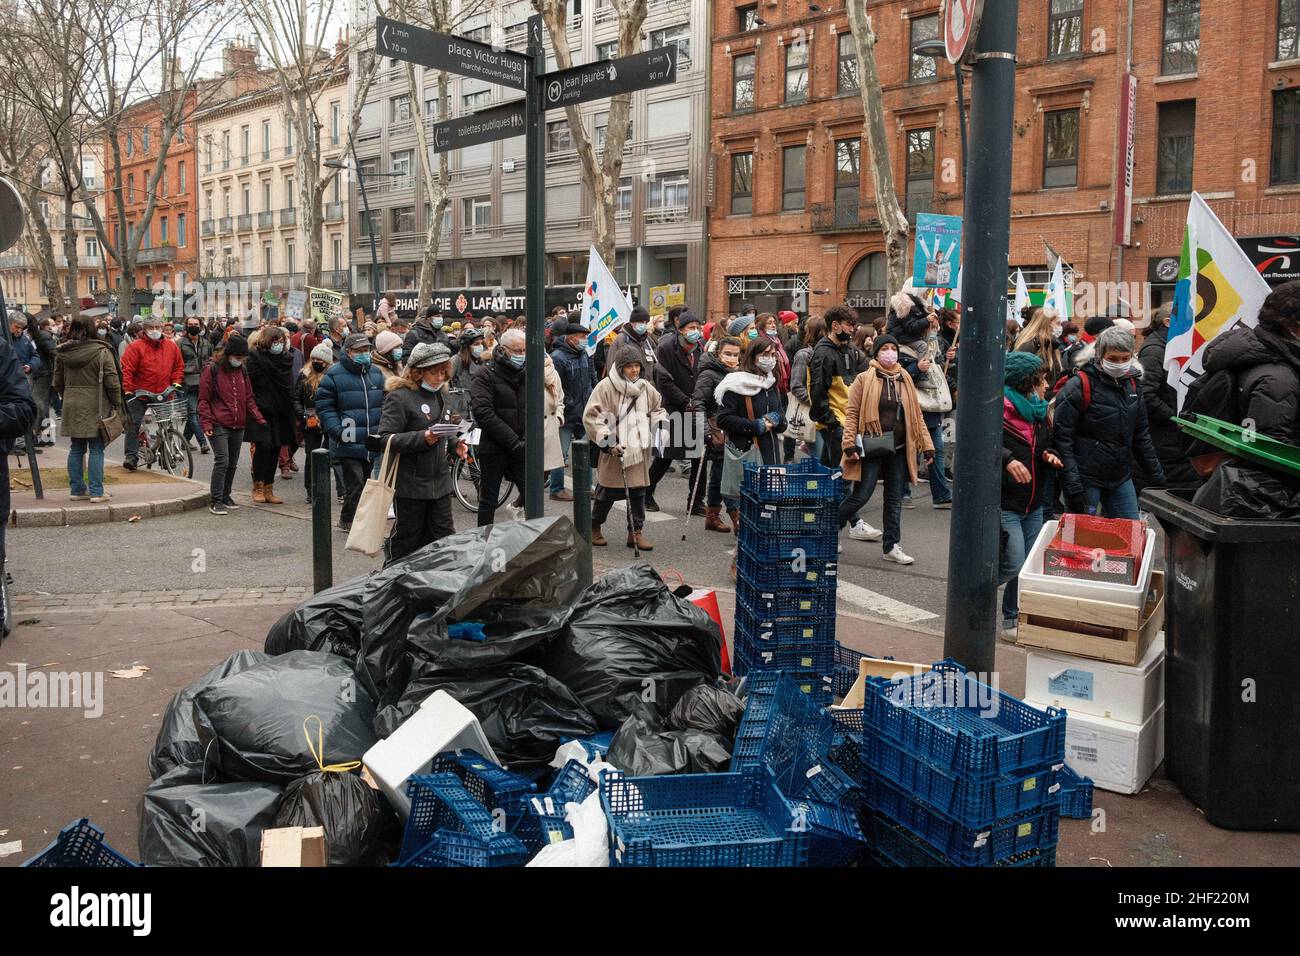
(542, 91)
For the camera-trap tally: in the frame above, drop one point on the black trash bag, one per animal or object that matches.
(328, 621)
(715, 710)
(510, 630)
(178, 738)
(523, 711)
(1237, 490)
(354, 816)
(641, 748)
(253, 720)
(186, 822)
(628, 634)
(526, 563)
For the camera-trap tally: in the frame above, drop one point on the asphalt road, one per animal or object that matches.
(271, 545)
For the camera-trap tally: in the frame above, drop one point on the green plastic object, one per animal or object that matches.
(1250, 445)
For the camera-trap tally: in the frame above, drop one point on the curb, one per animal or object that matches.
(51, 517)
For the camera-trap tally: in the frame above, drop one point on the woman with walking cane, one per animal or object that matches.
(621, 418)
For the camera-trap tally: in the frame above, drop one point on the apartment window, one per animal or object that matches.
(290, 261)
(796, 71)
(742, 82)
(92, 283)
(476, 99)
(207, 160)
(162, 181)
(225, 149)
(1064, 28)
(792, 177)
(266, 258)
(208, 204)
(1288, 29)
(225, 200)
(404, 219)
(399, 108)
(624, 268)
(180, 176)
(288, 136)
(335, 116)
(130, 187)
(478, 213)
(1286, 137)
(266, 195)
(920, 170)
(290, 193)
(606, 51)
(180, 138)
(248, 199)
(670, 191)
(1175, 150)
(623, 199)
(401, 162)
(130, 144)
(244, 137)
(678, 36)
(88, 171)
(144, 139)
(337, 249)
(372, 224)
(847, 75)
(266, 139)
(180, 230)
(1061, 148)
(747, 18)
(920, 66)
(92, 247)
(1182, 37)
(558, 137)
(742, 184)
(848, 170)
(162, 230)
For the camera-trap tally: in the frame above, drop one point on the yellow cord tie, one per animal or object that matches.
(318, 751)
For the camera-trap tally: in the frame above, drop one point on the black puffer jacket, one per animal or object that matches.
(1098, 443)
(712, 371)
(911, 328)
(1160, 399)
(674, 375)
(1266, 367)
(1017, 497)
(496, 398)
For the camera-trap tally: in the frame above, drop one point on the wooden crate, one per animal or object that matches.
(876, 667)
(1096, 629)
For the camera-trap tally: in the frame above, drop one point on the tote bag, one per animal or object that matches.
(733, 461)
(798, 418)
(110, 425)
(370, 524)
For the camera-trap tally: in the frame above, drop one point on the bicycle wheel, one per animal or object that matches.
(466, 483)
(507, 491)
(5, 607)
(177, 459)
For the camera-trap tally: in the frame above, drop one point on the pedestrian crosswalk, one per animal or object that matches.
(878, 604)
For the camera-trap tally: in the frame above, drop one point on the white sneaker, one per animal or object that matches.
(896, 555)
(864, 532)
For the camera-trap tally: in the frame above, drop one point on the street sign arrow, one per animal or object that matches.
(594, 81)
(442, 51)
(486, 126)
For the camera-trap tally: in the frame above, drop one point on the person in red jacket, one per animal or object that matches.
(226, 404)
(152, 363)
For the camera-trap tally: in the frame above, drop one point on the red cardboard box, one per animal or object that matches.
(1096, 549)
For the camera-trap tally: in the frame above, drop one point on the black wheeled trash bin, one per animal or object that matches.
(1232, 665)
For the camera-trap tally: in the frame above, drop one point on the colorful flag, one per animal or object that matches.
(604, 306)
(1021, 300)
(1218, 287)
(1056, 297)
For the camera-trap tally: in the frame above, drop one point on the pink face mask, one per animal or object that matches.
(887, 357)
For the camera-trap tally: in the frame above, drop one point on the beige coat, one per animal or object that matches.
(600, 421)
(553, 390)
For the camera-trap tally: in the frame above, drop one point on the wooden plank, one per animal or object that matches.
(879, 667)
(1124, 646)
(1104, 613)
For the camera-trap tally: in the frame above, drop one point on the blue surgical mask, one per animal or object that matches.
(694, 335)
(362, 358)
(753, 332)
(437, 323)
(277, 348)
(518, 360)
(429, 388)
(476, 351)
(639, 328)
(396, 355)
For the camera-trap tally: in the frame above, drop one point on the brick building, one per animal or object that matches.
(1217, 110)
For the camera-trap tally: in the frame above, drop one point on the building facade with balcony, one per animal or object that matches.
(250, 224)
(793, 219)
(660, 235)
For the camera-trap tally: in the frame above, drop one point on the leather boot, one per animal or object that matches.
(734, 515)
(638, 540)
(268, 494)
(259, 493)
(713, 520)
(597, 539)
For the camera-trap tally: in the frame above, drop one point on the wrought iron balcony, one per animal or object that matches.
(289, 216)
(156, 254)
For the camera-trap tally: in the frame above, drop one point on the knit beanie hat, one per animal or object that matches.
(1018, 367)
(324, 352)
(236, 345)
(385, 342)
(740, 324)
(881, 342)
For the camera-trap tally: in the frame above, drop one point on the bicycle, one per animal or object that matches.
(162, 437)
(466, 477)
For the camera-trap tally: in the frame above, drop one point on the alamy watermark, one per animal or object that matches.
(40, 688)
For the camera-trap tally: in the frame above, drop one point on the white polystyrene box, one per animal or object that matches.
(1032, 577)
(440, 724)
(1117, 755)
(1081, 685)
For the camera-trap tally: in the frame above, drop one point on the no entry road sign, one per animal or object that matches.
(593, 81)
(442, 51)
(487, 126)
(961, 21)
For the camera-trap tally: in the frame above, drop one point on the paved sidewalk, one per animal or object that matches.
(139, 500)
(57, 765)
(129, 600)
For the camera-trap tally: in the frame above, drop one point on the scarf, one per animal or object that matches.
(633, 417)
(918, 438)
(743, 383)
(1029, 407)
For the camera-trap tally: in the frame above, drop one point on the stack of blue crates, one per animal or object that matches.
(786, 573)
(956, 773)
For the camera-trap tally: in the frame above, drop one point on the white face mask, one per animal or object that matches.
(155, 334)
(1116, 369)
(767, 363)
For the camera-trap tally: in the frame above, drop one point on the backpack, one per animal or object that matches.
(1215, 395)
(1086, 385)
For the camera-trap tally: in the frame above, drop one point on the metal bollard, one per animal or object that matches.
(322, 547)
(580, 452)
(37, 488)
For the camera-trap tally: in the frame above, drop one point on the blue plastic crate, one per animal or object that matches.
(816, 686)
(536, 830)
(572, 784)
(784, 729)
(80, 844)
(453, 848)
(846, 753)
(597, 745)
(784, 631)
(489, 784)
(701, 820)
(810, 519)
(440, 801)
(834, 836)
(817, 603)
(849, 720)
(960, 844)
(940, 716)
(759, 656)
(789, 574)
(846, 668)
(892, 845)
(1076, 795)
(792, 550)
(803, 480)
(972, 801)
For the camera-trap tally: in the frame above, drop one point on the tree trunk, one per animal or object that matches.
(436, 188)
(892, 219)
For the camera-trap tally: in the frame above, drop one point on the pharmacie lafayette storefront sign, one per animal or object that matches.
(455, 303)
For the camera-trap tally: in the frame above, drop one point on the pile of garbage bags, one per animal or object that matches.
(495, 617)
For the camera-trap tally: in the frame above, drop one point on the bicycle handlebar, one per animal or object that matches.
(159, 397)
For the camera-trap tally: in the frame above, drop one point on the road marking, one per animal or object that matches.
(651, 517)
(881, 605)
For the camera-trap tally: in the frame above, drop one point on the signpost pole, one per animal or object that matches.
(535, 268)
(972, 613)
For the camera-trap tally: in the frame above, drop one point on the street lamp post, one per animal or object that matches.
(935, 48)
